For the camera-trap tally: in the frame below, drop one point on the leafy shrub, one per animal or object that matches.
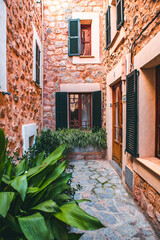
(49, 140)
(33, 203)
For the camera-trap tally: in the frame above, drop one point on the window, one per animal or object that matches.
(120, 13)
(37, 64)
(79, 37)
(108, 28)
(85, 40)
(29, 132)
(80, 111)
(37, 58)
(158, 112)
(3, 48)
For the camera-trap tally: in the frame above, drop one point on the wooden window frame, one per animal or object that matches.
(157, 145)
(38, 62)
(80, 111)
(86, 26)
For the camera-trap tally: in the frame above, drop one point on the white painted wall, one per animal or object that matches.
(146, 61)
(36, 39)
(3, 49)
(28, 130)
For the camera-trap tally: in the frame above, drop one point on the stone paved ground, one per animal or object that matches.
(111, 203)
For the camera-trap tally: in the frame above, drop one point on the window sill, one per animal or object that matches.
(152, 163)
(149, 169)
(86, 56)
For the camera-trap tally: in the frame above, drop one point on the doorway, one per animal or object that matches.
(117, 124)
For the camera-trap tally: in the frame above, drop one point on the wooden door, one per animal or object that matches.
(158, 112)
(117, 124)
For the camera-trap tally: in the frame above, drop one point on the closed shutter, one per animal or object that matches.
(61, 110)
(74, 37)
(132, 114)
(120, 13)
(108, 27)
(37, 64)
(96, 110)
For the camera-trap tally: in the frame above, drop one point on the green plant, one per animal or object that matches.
(49, 140)
(33, 204)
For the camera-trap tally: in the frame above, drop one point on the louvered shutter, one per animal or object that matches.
(96, 110)
(74, 37)
(108, 27)
(61, 110)
(132, 114)
(120, 13)
(37, 64)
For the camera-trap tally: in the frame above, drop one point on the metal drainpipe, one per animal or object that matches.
(42, 59)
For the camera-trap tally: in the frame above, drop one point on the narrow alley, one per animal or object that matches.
(110, 203)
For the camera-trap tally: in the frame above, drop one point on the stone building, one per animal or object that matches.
(132, 63)
(20, 71)
(73, 64)
(94, 63)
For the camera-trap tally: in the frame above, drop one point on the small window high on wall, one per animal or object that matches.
(79, 38)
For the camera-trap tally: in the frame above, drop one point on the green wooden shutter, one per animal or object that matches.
(96, 110)
(61, 110)
(120, 13)
(74, 37)
(108, 27)
(132, 114)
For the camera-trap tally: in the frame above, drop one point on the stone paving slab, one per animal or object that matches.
(111, 203)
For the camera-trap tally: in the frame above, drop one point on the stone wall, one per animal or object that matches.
(58, 66)
(148, 199)
(137, 14)
(23, 105)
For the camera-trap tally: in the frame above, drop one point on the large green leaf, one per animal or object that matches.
(34, 227)
(2, 153)
(5, 201)
(20, 184)
(13, 223)
(47, 206)
(73, 215)
(74, 236)
(59, 229)
(50, 160)
(20, 168)
(39, 159)
(53, 175)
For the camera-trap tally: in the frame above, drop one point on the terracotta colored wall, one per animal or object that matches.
(148, 198)
(23, 106)
(137, 14)
(58, 67)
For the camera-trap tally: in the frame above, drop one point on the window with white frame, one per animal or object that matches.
(37, 58)
(3, 50)
(29, 132)
(83, 38)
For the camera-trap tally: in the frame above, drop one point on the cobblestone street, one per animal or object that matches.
(111, 203)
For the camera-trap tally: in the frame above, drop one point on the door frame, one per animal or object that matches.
(119, 83)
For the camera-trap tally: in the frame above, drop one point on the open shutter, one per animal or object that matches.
(132, 114)
(120, 13)
(108, 27)
(74, 37)
(96, 110)
(61, 110)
